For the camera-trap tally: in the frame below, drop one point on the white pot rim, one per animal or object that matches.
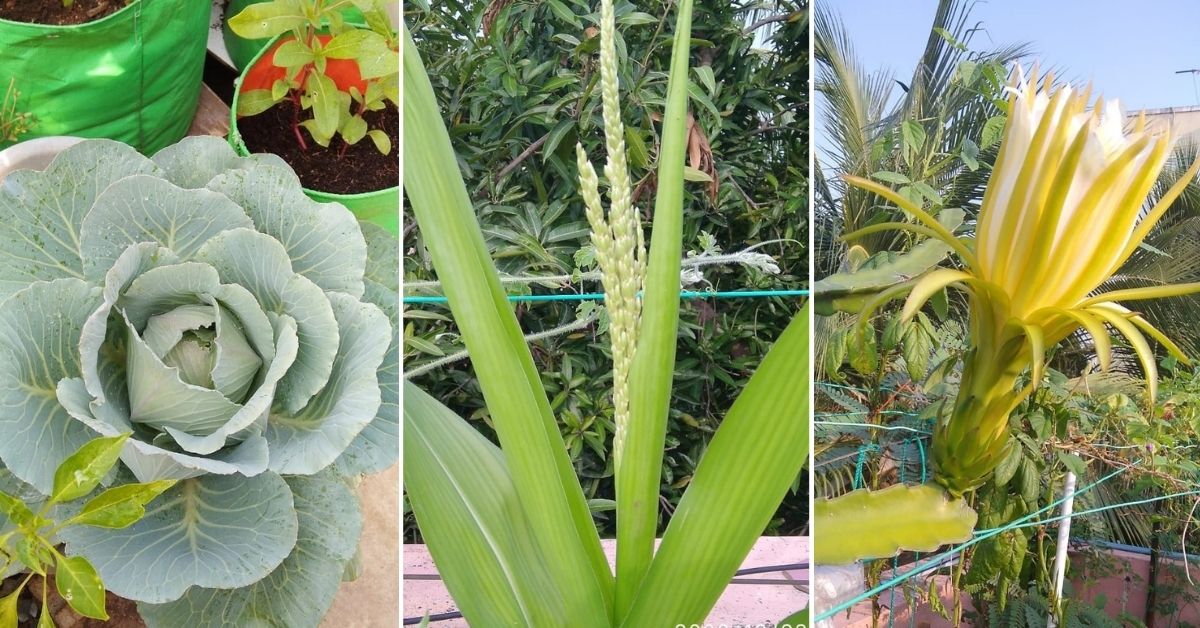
(34, 154)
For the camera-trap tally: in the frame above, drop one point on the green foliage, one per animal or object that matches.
(462, 504)
(305, 57)
(1031, 609)
(850, 291)
(517, 87)
(936, 140)
(997, 561)
(30, 524)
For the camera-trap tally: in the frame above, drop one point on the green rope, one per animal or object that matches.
(862, 459)
(873, 426)
(599, 296)
(921, 447)
(1082, 513)
(867, 412)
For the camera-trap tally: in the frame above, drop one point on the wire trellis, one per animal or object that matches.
(599, 296)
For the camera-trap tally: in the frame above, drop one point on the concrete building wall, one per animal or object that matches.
(1185, 121)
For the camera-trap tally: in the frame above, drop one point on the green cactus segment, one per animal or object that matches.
(880, 524)
(848, 291)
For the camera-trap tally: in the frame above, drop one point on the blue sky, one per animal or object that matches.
(1130, 50)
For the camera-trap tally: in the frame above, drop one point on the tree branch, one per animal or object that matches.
(767, 20)
(512, 165)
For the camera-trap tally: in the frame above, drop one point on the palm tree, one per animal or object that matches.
(949, 100)
(863, 119)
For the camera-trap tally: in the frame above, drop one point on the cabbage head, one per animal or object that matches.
(244, 335)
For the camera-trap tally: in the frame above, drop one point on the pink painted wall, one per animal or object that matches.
(741, 604)
(1127, 590)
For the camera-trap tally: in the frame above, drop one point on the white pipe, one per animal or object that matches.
(1060, 555)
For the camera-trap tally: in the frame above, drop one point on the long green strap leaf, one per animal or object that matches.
(799, 619)
(537, 459)
(469, 513)
(639, 475)
(749, 466)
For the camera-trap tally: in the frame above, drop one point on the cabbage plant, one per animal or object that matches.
(241, 333)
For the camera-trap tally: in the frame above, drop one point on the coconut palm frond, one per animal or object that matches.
(856, 100)
(862, 118)
(855, 103)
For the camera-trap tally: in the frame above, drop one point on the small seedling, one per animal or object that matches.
(319, 34)
(13, 123)
(27, 538)
(70, 3)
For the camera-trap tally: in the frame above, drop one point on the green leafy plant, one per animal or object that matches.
(510, 528)
(240, 332)
(934, 141)
(28, 539)
(1031, 609)
(515, 101)
(70, 3)
(319, 36)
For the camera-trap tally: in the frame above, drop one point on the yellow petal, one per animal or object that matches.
(895, 226)
(1137, 294)
(1043, 240)
(1075, 245)
(1106, 260)
(1160, 208)
(1149, 329)
(1094, 328)
(918, 213)
(1037, 345)
(1139, 344)
(1021, 212)
(930, 285)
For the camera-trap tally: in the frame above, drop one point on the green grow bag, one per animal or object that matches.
(381, 207)
(241, 50)
(133, 76)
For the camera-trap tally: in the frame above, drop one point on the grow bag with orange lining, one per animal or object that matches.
(381, 207)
